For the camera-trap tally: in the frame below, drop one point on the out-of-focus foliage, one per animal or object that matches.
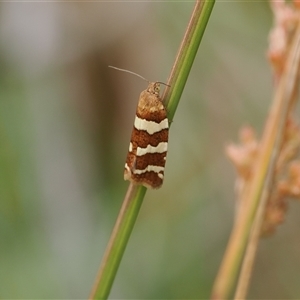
(65, 123)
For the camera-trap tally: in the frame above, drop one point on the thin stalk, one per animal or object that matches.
(269, 148)
(118, 241)
(248, 262)
(135, 194)
(186, 55)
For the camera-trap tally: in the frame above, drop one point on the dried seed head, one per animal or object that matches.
(244, 154)
(286, 178)
(285, 21)
(286, 182)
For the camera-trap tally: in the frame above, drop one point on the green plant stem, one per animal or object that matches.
(186, 55)
(135, 194)
(118, 241)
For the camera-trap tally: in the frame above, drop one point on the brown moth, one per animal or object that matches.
(146, 158)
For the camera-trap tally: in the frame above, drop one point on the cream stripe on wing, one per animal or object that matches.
(160, 148)
(149, 168)
(130, 147)
(150, 126)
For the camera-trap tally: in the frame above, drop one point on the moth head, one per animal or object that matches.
(154, 88)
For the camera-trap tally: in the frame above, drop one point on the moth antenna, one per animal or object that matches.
(163, 83)
(130, 72)
(124, 70)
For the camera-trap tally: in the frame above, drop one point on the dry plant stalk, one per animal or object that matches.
(284, 181)
(286, 176)
(268, 170)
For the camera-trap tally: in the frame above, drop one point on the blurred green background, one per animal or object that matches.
(65, 125)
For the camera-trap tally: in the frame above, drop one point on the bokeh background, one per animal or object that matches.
(65, 125)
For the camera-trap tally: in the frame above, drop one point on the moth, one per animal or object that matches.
(146, 158)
